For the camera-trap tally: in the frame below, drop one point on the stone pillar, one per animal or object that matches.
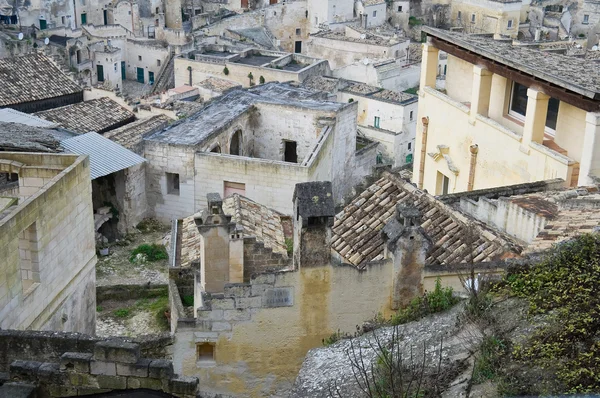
(497, 97)
(480, 94)
(173, 14)
(590, 156)
(429, 65)
(535, 118)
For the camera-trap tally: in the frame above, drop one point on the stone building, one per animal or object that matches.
(385, 116)
(47, 276)
(388, 245)
(500, 17)
(33, 83)
(258, 142)
(247, 67)
(493, 126)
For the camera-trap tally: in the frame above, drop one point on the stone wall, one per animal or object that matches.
(47, 277)
(72, 364)
(259, 259)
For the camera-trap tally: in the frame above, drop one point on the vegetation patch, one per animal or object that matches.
(564, 288)
(188, 300)
(152, 252)
(412, 90)
(440, 299)
(335, 337)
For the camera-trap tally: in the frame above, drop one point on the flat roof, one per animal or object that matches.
(255, 60)
(579, 75)
(224, 109)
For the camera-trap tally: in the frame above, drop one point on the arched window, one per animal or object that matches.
(216, 149)
(235, 147)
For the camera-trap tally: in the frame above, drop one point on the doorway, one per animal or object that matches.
(289, 153)
(100, 72)
(244, 4)
(235, 148)
(105, 16)
(151, 77)
(43, 24)
(140, 75)
(298, 47)
(123, 70)
(78, 56)
(84, 19)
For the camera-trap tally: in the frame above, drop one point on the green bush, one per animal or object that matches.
(121, 313)
(226, 71)
(488, 359)
(414, 21)
(261, 80)
(439, 300)
(153, 252)
(188, 300)
(289, 246)
(335, 337)
(565, 288)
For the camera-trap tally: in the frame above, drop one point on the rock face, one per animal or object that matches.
(328, 368)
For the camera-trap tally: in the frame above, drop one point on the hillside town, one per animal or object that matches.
(299, 198)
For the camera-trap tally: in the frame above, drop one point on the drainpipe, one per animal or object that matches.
(425, 122)
(473, 149)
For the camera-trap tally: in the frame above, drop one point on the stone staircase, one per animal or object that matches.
(166, 77)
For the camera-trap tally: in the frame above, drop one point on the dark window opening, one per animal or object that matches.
(316, 221)
(205, 352)
(298, 47)
(518, 104)
(399, 8)
(290, 154)
(235, 148)
(216, 149)
(173, 183)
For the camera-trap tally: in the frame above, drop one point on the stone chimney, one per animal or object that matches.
(221, 257)
(407, 244)
(313, 218)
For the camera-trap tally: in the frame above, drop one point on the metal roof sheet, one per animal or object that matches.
(9, 115)
(106, 156)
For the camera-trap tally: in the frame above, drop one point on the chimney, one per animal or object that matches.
(313, 218)
(407, 244)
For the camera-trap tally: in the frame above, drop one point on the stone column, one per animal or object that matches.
(590, 156)
(429, 65)
(535, 118)
(497, 97)
(480, 94)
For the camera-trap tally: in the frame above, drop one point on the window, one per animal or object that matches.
(298, 31)
(173, 183)
(235, 146)
(409, 146)
(229, 188)
(374, 14)
(62, 19)
(399, 8)
(472, 18)
(205, 351)
(459, 16)
(443, 184)
(510, 24)
(129, 12)
(586, 19)
(29, 259)
(411, 115)
(158, 62)
(289, 152)
(376, 122)
(115, 67)
(518, 106)
(139, 57)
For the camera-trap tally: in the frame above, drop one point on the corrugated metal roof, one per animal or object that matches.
(106, 156)
(13, 116)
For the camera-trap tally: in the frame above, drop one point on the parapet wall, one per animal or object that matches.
(69, 364)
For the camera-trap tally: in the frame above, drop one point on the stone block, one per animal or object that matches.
(103, 368)
(24, 370)
(183, 385)
(258, 290)
(112, 382)
(206, 336)
(50, 373)
(221, 326)
(160, 369)
(237, 290)
(151, 384)
(91, 391)
(211, 315)
(61, 391)
(82, 380)
(75, 362)
(133, 383)
(263, 278)
(139, 369)
(223, 304)
(236, 315)
(248, 302)
(117, 351)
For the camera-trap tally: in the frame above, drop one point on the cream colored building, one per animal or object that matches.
(47, 247)
(508, 115)
(500, 17)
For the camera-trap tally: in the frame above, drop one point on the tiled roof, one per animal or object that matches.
(16, 137)
(98, 115)
(32, 77)
(132, 134)
(320, 83)
(257, 220)
(576, 74)
(379, 93)
(217, 84)
(357, 229)
(190, 241)
(372, 2)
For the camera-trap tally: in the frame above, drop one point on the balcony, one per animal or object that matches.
(84, 65)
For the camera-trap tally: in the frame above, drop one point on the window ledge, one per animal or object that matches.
(206, 363)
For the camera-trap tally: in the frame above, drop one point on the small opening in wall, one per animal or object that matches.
(290, 154)
(315, 221)
(215, 210)
(412, 237)
(173, 183)
(205, 351)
